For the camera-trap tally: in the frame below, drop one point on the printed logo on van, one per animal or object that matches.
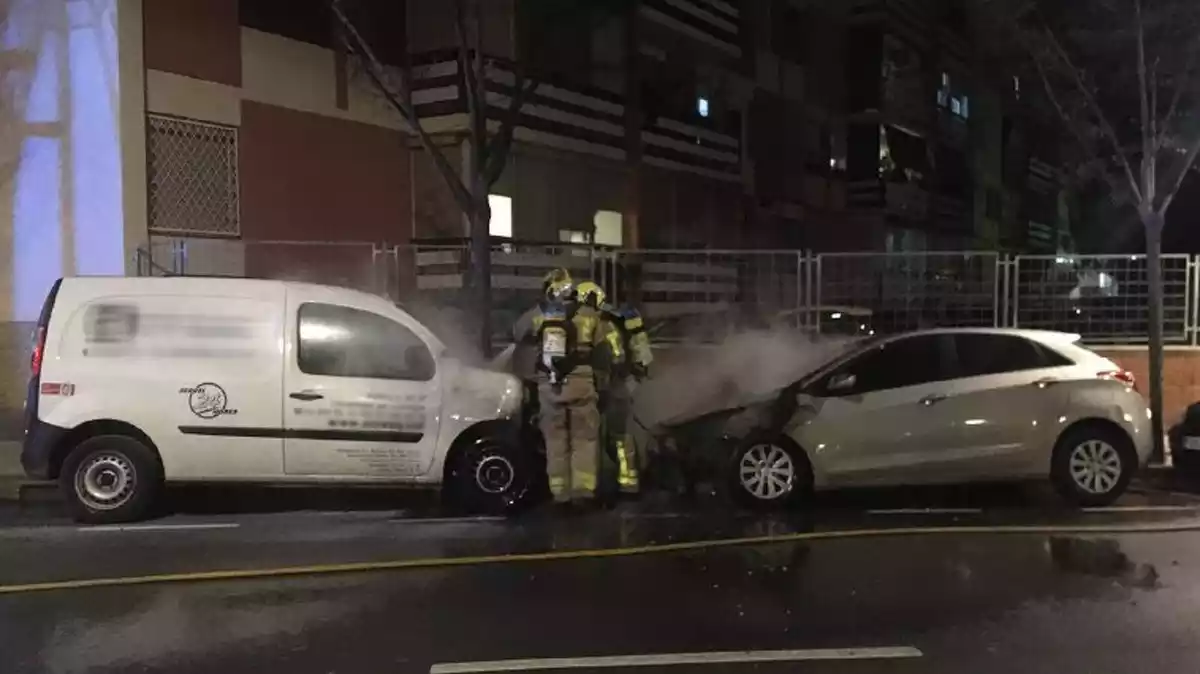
(208, 400)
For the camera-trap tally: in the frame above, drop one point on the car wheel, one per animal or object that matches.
(1092, 465)
(492, 478)
(769, 472)
(109, 479)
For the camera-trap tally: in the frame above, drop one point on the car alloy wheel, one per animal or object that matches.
(767, 472)
(1095, 466)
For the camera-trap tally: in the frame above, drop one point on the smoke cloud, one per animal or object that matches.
(693, 379)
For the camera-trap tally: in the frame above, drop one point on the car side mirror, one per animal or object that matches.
(840, 383)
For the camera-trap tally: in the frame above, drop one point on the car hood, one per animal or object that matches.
(750, 369)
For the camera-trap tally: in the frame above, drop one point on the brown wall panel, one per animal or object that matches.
(196, 38)
(305, 177)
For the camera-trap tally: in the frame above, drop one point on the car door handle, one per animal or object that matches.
(932, 399)
(305, 395)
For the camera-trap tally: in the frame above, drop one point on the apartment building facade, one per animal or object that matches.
(943, 152)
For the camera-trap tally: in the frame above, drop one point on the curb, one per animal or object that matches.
(20, 490)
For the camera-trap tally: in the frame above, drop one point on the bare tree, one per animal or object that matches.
(492, 116)
(1121, 76)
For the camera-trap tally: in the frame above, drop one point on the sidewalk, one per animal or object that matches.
(11, 475)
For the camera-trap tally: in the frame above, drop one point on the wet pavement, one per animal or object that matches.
(1063, 597)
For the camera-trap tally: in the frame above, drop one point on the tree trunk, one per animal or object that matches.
(1153, 223)
(628, 286)
(481, 266)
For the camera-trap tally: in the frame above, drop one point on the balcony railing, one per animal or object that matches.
(573, 117)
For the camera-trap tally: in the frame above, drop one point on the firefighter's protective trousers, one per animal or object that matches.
(616, 420)
(570, 423)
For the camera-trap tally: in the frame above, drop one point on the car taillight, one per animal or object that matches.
(39, 347)
(1124, 376)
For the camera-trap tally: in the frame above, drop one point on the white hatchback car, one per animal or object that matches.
(949, 406)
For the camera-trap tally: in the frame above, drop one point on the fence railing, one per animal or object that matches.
(1105, 298)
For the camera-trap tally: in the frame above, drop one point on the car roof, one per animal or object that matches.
(1050, 336)
(188, 282)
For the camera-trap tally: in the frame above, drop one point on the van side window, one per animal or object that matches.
(337, 341)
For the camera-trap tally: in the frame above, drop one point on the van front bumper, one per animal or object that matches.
(37, 450)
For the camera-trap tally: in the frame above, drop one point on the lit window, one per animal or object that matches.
(608, 228)
(964, 111)
(955, 106)
(573, 236)
(501, 223)
(702, 106)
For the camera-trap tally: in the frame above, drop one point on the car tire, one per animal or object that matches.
(1092, 465)
(488, 476)
(109, 479)
(769, 473)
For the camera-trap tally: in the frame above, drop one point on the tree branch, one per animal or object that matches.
(1181, 86)
(466, 63)
(501, 143)
(1105, 127)
(1074, 128)
(1188, 162)
(1148, 155)
(374, 68)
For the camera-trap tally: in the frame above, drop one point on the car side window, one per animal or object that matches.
(895, 364)
(984, 354)
(337, 341)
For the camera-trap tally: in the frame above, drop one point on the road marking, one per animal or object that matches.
(597, 553)
(1139, 509)
(925, 511)
(159, 527)
(447, 520)
(664, 659)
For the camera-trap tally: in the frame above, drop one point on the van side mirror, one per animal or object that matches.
(840, 383)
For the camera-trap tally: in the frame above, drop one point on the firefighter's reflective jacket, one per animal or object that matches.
(635, 340)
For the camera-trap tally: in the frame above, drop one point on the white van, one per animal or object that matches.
(140, 381)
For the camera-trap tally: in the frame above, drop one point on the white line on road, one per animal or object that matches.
(1139, 509)
(662, 659)
(159, 527)
(925, 511)
(448, 520)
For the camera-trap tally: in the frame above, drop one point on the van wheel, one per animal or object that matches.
(108, 479)
(490, 477)
(1092, 465)
(769, 472)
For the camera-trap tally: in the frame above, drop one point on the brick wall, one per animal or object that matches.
(1181, 375)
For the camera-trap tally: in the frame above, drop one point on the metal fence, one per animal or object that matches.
(1103, 297)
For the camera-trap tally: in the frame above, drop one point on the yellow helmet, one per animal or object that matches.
(590, 293)
(555, 278)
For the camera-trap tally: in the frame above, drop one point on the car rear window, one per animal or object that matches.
(983, 354)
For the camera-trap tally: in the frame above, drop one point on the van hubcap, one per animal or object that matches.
(105, 481)
(767, 472)
(1095, 466)
(494, 474)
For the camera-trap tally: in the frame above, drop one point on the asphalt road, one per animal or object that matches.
(852, 586)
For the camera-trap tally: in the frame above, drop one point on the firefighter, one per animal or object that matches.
(577, 352)
(634, 368)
